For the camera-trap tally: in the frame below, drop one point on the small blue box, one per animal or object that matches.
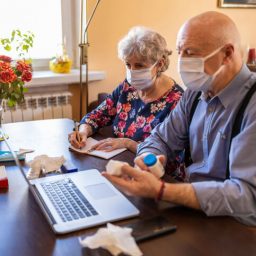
(68, 167)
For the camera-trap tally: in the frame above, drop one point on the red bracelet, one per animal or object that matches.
(161, 191)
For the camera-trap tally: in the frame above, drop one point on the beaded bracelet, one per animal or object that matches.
(161, 191)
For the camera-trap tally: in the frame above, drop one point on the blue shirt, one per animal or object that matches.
(209, 137)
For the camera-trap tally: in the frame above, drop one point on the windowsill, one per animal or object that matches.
(48, 78)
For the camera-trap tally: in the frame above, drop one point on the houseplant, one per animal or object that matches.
(14, 73)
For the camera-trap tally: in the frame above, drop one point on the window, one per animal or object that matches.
(49, 20)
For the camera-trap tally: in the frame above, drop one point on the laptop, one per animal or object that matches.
(78, 200)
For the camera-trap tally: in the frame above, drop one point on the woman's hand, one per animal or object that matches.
(135, 182)
(77, 139)
(110, 144)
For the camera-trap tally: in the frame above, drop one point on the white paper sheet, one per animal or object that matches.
(91, 142)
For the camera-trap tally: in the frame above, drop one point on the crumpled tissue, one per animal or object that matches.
(113, 238)
(45, 164)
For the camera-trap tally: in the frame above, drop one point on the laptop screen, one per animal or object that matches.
(3, 134)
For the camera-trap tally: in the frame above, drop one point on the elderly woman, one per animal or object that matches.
(141, 101)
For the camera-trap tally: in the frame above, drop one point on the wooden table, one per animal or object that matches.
(25, 231)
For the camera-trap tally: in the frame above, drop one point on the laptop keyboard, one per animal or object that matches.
(69, 202)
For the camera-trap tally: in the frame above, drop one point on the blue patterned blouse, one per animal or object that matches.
(129, 116)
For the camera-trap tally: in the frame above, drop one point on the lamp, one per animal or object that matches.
(83, 45)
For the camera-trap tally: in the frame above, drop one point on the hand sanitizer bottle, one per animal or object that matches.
(154, 165)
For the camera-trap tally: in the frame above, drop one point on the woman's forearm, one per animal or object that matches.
(85, 128)
(131, 145)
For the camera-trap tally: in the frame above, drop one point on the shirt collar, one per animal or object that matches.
(229, 93)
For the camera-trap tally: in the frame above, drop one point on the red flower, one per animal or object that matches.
(123, 116)
(7, 76)
(22, 66)
(120, 134)
(147, 128)
(173, 96)
(127, 107)
(109, 103)
(4, 65)
(150, 119)
(5, 58)
(121, 125)
(131, 130)
(112, 111)
(26, 76)
(140, 121)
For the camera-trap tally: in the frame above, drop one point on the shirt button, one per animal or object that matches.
(210, 110)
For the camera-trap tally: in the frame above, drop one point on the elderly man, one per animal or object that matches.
(221, 178)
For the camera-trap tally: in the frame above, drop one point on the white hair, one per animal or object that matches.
(146, 45)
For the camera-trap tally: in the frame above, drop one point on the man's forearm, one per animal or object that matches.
(183, 194)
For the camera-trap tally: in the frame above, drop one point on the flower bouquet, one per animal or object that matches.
(13, 75)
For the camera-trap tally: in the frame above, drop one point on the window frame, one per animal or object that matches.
(70, 13)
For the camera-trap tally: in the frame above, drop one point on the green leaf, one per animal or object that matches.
(11, 103)
(18, 32)
(7, 47)
(13, 35)
(25, 47)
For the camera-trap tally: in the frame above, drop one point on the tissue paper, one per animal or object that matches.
(45, 164)
(113, 238)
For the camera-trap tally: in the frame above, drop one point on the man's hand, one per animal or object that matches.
(140, 163)
(135, 182)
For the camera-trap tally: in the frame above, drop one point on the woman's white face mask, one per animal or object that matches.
(140, 79)
(192, 72)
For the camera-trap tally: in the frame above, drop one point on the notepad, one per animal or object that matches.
(102, 154)
(6, 156)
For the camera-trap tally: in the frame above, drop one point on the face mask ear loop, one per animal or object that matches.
(212, 54)
(158, 73)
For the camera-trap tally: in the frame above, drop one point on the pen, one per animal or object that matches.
(77, 132)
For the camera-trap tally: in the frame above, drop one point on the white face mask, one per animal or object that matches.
(140, 79)
(192, 72)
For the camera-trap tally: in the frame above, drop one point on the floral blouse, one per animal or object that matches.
(129, 116)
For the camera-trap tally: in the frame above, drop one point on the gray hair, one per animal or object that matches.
(145, 44)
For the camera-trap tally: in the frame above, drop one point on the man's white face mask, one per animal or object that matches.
(141, 79)
(192, 72)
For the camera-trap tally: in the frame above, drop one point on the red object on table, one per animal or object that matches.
(3, 178)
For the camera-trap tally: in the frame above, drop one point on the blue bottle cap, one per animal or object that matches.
(150, 160)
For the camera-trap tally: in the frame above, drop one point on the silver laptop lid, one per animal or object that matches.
(17, 161)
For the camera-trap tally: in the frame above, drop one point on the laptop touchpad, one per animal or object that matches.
(100, 191)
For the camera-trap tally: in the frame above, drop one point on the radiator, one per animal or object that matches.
(38, 107)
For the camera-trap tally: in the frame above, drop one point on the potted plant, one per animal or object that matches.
(15, 73)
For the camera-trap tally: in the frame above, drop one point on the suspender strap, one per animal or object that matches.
(238, 120)
(187, 157)
(193, 107)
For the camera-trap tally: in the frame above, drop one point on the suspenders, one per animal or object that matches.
(236, 126)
